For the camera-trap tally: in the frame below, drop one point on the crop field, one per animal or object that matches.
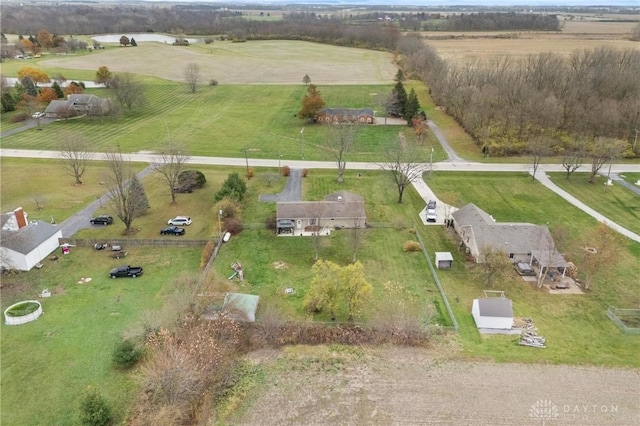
(465, 46)
(254, 62)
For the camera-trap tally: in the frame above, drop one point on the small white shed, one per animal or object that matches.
(444, 260)
(493, 314)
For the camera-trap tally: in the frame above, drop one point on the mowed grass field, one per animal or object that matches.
(224, 121)
(463, 47)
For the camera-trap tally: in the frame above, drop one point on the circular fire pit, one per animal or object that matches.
(22, 312)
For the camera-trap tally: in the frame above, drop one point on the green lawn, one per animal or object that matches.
(576, 326)
(616, 202)
(49, 364)
(223, 121)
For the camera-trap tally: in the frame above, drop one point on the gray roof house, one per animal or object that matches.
(78, 104)
(522, 242)
(346, 115)
(341, 209)
(24, 244)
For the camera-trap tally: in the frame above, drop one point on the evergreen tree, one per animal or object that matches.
(401, 98)
(55, 86)
(29, 87)
(133, 42)
(311, 104)
(233, 187)
(399, 76)
(411, 107)
(8, 102)
(137, 193)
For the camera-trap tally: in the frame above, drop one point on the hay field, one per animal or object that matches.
(264, 62)
(574, 35)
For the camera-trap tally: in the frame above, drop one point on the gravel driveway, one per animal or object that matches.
(292, 189)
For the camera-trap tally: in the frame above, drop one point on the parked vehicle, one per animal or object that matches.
(126, 271)
(180, 220)
(102, 220)
(172, 230)
(38, 115)
(431, 211)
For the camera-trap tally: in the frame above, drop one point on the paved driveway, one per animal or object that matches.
(292, 189)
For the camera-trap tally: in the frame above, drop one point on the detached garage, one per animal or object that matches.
(493, 315)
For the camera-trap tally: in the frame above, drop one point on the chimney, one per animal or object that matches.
(21, 217)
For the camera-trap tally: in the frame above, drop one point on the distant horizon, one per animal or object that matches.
(426, 3)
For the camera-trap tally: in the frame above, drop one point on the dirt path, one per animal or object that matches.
(417, 386)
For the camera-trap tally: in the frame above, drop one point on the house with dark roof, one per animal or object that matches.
(341, 209)
(346, 115)
(522, 242)
(78, 104)
(24, 244)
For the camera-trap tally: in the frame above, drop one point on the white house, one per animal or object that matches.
(493, 315)
(24, 244)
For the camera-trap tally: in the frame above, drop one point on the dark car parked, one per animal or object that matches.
(126, 271)
(172, 230)
(102, 220)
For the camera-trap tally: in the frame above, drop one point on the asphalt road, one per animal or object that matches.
(451, 165)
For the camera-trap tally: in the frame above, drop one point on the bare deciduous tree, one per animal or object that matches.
(127, 90)
(75, 155)
(572, 158)
(357, 235)
(494, 265)
(192, 76)
(539, 147)
(340, 140)
(128, 200)
(599, 249)
(172, 162)
(602, 150)
(402, 166)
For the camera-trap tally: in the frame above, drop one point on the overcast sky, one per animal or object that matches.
(631, 3)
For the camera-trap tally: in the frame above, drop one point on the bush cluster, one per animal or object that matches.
(410, 246)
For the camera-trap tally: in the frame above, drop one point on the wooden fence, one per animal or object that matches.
(133, 242)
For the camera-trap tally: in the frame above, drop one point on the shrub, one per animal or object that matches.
(285, 171)
(233, 225)
(411, 246)
(233, 187)
(94, 411)
(229, 207)
(191, 178)
(213, 82)
(126, 354)
(208, 40)
(305, 172)
(19, 117)
(207, 252)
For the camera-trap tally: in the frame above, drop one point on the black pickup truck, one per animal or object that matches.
(126, 271)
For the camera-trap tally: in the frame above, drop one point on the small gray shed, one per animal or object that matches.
(444, 260)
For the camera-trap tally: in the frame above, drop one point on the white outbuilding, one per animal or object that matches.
(493, 315)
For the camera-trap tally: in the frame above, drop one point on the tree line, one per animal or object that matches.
(506, 103)
(487, 21)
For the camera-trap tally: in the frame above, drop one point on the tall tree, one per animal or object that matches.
(56, 87)
(355, 288)
(192, 76)
(171, 164)
(400, 94)
(128, 90)
(602, 150)
(572, 157)
(311, 104)
(402, 165)
(340, 140)
(104, 76)
(75, 155)
(539, 147)
(357, 235)
(598, 249)
(125, 191)
(324, 292)
(124, 41)
(44, 39)
(494, 265)
(306, 79)
(36, 75)
(411, 107)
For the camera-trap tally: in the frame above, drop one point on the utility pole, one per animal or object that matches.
(246, 157)
(635, 141)
(219, 225)
(302, 143)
